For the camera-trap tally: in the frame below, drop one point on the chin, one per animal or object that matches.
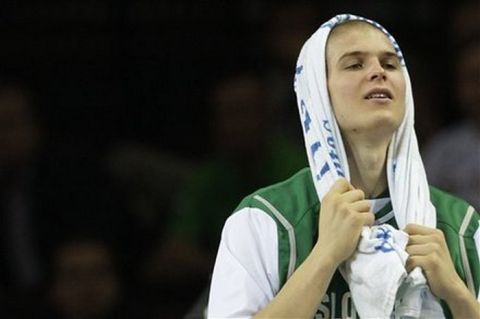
(386, 129)
(387, 117)
(381, 126)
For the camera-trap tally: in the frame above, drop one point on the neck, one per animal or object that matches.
(367, 166)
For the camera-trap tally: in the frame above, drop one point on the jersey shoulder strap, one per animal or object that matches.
(459, 223)
(293, 204)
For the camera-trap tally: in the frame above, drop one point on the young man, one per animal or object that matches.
(283, 254)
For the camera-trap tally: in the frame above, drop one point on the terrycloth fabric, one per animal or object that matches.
(407, 181)
(414, 299)
(379, 262)
(366, 273)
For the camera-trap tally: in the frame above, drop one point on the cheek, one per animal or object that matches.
(400, 85)
(341, 94)
(340, 105)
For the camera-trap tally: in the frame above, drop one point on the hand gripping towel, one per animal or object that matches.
(406, 177)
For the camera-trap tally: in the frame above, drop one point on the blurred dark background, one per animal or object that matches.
(131, 129)
(108, 70)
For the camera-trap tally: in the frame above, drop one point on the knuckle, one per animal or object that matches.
(360, 193)
(342, 206)
(434, 262)
(340, 183)
(334, 197)
(330, 198)
(370, 218)
(408, 228)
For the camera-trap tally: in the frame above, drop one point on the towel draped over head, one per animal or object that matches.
(407, 181)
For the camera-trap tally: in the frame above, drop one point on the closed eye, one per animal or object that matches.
(391, 63)
(355, 66)
(390, 66)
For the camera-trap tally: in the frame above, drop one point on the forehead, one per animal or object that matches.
(357, 36)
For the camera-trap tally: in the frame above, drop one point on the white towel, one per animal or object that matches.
(414, 299)
(406, 176)
(366, 273)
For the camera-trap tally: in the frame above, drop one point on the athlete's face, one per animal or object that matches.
(365, 80)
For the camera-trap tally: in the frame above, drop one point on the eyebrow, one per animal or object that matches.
(360, 53)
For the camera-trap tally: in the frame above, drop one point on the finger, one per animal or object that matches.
(424, 262)
(353, 196)
(414, 261)
(367, 218)
(421, 250)
(418, 239)
(432, 236)
(341, 186)
(362, 206)
(415, 229)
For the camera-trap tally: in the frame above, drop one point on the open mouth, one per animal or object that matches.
(379, 94)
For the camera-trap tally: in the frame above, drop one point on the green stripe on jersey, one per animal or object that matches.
(295, 199)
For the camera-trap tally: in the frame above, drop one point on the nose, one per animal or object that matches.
(377, 72)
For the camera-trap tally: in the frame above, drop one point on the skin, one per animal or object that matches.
(355, 67)
(367, 127)
(428, 250)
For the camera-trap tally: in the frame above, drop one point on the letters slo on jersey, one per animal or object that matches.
(294, 206)
(337, 302)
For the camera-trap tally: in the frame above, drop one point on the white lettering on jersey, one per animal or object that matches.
(326, 310)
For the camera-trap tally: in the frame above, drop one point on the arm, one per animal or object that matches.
(428, 249)
(305, 289)
(343, 214)
(461, 302)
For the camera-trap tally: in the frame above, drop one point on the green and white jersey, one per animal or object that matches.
(274, 229)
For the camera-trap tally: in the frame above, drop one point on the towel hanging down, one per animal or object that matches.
(407, 183)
